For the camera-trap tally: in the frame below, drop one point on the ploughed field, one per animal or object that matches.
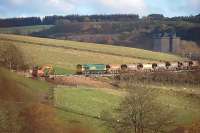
(67, 54)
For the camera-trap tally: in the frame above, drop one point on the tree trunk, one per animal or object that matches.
(10, 65)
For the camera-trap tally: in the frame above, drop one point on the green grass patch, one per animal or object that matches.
(86, 101)
(186, 106)
(24, 30)
(96, 125)
(62, 71)
(85, 105)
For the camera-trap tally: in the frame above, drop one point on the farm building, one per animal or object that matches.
(166, 42)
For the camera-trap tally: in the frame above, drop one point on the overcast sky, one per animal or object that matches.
(24, 8)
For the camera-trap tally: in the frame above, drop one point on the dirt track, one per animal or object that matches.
(80, 81)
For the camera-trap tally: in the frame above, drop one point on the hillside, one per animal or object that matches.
(115, 29)
(23, 93)
(28, 86)
(84, 105)
(67, 54)
(136, 34)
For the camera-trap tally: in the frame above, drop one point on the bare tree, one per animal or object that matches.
(141, 112)
(11, 57)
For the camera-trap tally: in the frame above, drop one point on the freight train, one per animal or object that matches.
(87, 69)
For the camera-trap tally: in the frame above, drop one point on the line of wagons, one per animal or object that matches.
(140, 67)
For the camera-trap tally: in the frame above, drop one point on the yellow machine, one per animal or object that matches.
(43, 71)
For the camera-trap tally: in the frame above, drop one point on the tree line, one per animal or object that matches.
(11, 22)
(51, 20)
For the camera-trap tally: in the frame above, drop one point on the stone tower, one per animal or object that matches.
(166, 42)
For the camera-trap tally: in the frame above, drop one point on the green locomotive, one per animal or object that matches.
(91, 69)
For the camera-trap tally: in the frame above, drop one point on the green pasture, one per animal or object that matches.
(24, 30)
(98, 48)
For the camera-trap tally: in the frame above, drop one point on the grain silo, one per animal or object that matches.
(166, 42)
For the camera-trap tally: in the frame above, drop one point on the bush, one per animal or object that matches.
(11, 57)
(140, 112)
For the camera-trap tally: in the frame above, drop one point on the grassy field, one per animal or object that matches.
(80, 104)
(85, 105)
(24, 30)
(186, 107)
(99, 48)
(93, 101)
(67, 54)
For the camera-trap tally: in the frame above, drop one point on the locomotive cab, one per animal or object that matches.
(79, 69)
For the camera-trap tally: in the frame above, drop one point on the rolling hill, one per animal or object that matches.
(83, 104)
(67, 54)
(26, 92)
